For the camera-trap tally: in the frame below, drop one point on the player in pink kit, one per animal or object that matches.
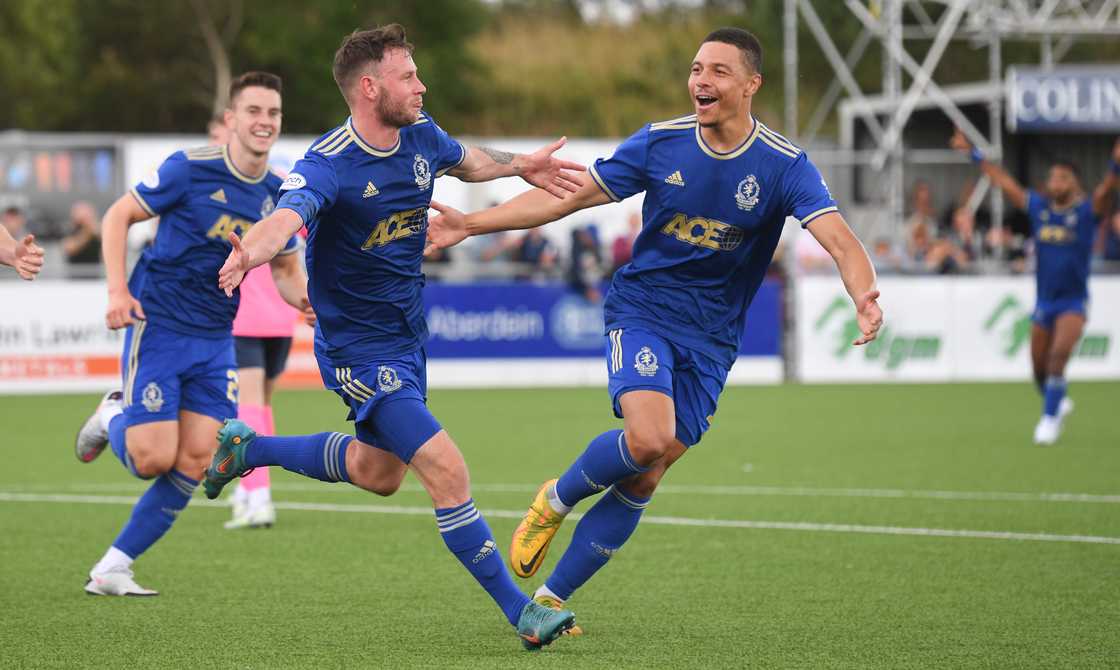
(262, 334)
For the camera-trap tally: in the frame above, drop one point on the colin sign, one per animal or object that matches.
(1076, 98)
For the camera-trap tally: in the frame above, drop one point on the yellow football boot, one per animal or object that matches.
(555, 604)
(534, 534)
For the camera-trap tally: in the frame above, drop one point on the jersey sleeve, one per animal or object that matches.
(624, 174)
(450, 152)
(1035, 205)
(294, 244)
(805, 192)
(310, 188)
(165, 188)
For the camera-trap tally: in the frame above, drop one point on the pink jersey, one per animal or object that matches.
(263, 313)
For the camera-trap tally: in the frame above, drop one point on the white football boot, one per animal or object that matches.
(1047, 430)
(252, 516)
(116, 582)
(93, 438)
(1065, 408)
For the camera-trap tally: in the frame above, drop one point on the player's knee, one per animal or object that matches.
(385, 486)
(149, 462)
(649, 444)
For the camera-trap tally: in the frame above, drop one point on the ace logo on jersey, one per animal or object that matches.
(423, 172)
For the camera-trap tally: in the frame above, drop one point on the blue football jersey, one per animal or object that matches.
(200, 197)
(1063, 242)
(366, 211)
(710, 224)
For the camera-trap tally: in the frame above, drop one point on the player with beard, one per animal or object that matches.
(363, 191)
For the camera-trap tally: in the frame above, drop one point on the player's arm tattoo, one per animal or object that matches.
(499, 157)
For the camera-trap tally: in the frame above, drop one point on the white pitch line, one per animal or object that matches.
(685, 489)
(803, 526)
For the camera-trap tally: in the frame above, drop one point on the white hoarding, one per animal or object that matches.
(945, 329)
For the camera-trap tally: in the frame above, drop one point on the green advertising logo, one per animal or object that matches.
(1012, 323)
(889, 348)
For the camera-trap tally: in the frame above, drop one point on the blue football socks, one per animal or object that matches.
(320, 456)
(605, 461)
(598, 536)
(466, 534)
(1052, 395)
(118, 444)
(154, 513)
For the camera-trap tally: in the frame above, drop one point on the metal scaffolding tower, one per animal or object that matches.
(899, 28)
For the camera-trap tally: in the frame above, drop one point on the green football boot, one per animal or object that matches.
(229, 461)
(540, 626)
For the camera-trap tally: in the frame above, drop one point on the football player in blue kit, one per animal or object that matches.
(1064, 225)
(718, 186)
(178, 367)
(363, 191)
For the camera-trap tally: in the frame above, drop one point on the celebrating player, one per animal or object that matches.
(363, 190)
(718, 186)
(23, 255)
(1063, 224)
(178, 366)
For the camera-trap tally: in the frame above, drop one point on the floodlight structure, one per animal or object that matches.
(896, 27)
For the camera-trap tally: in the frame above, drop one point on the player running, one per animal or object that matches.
(1063, 224)
(718, 187)
(23, 255)
(363, 191)
(178, 367)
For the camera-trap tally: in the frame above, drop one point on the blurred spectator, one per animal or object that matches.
(919, 241)
(217, 134)
(1007, 245)
(586, 268)
(15, 222)
(622, 249)
(82, 245)
(810, 256)
(537, 252)
(498, 246)
(885, 257)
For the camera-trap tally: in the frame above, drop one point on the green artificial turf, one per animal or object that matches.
(351, 585)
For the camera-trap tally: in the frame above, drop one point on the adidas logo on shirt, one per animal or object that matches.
(370, 191)
(675, 179)
(219, 195)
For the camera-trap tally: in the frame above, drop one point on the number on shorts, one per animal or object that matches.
(231, 387)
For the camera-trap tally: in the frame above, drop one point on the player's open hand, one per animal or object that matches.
(446, 229)
(123, 309)
(869, 316)
(543, 170)
(29, 258)
(235, 267)
(958, 142)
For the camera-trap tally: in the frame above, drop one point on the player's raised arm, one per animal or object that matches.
(856, 270)
(1104, 192)
(540, 168)
(23, 255)
(528, 210)
(261, 244)
(1000, 177)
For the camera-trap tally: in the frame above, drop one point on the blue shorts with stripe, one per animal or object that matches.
(1046, 312)
(165, 371)
(639, 360)
(374, 393)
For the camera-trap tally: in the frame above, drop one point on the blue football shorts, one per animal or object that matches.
(1046, 312)
(165, 371)
(387, 401)
(640, 360)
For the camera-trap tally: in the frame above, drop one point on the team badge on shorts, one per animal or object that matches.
(746, 195)
(152, 397)
(387, 379)
(645, 362)
(423, 172)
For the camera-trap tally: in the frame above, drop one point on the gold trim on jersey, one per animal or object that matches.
(341, 130)
(602, 184)
(775, 146)
(462, 157)
(819, 212)
(203, 153)
(680, 123)
(337, 140)
(769, 132)
(238, 173)
(380, 153)
(143, 203)
(339, 147)
(734, 153)
(133, 360)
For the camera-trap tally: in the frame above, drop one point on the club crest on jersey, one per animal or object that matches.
(387, 379)
(645, 362)
(267, 206)
(422, 172)
(294, 181)
(746, 195)
(152, 397)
